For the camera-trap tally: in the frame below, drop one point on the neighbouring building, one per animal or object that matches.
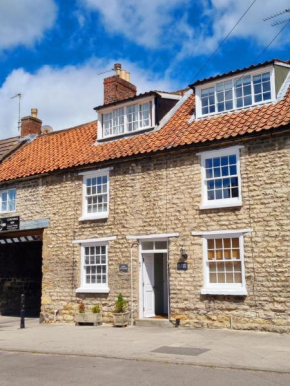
(178, 200)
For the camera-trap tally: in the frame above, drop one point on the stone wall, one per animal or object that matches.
(162, 194)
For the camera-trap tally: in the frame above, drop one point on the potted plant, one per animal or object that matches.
(94, 317)
(121, 317)
(96, 310)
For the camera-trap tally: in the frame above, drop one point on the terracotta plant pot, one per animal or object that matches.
(121, 319)
(88, 317)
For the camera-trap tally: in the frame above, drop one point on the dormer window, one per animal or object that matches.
(124, 113)
(236, 93)
(127, 119)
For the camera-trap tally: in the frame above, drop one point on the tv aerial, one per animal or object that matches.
(279, 22)
(19, 96)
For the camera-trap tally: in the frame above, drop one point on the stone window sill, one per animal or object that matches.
(95, 217)
(221, 291)
(217, 205)
(83, 290)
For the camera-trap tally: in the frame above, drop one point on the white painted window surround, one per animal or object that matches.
(232, 93)
(221, 178)
(95, 194)
(8, 200)
(154, 236)
(94, 276)
(223, 262)
(126, 118)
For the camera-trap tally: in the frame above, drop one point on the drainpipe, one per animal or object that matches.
(55, 315)
(136, 244)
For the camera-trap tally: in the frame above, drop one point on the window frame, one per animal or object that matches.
(224, 202)
(223, 288)
(104, 111)
(96, 215)
(3, 191)
(96, 287)
(234, 79)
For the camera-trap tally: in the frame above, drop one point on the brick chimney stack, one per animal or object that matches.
(31, 124)
(118, 86)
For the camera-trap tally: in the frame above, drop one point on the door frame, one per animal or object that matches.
(141, 270)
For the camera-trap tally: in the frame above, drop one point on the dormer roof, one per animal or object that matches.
(239, 71)
(155, 93)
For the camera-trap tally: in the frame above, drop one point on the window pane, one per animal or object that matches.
(235, 243)
(221, 277)
(210, 195)
(213, 278)
(210, 255)
(238, 277)
(147, 245)
(210, 244)
(227, 254)
(266, 86)
(219, 255)
(236, 253)
(160, 244)
(227, 243)
(229, 278)
(219, 194)
(4, 206)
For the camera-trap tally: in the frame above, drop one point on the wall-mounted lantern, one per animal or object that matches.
(184, 254)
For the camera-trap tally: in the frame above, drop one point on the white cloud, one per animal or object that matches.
(155, 23)
(23, 22)
(142, 21)
(64, 97)
(226, 13)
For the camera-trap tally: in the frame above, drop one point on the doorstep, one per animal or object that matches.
(151, 322)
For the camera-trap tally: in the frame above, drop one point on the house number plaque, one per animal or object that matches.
(182, 266)
(123, 267)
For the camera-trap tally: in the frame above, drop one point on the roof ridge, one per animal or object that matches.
(10, 138)
(237, 71)
(68, 129)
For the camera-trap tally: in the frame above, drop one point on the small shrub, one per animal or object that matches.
(120, 304)
(82, 308)
(96, 309)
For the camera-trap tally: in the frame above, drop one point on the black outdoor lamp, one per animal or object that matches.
(184, 254)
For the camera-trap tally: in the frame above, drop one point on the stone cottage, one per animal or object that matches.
(178, 200)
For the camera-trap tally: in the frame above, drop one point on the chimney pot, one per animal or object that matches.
(123, 74)
(34, 113)
(117, 66)
(127, 76)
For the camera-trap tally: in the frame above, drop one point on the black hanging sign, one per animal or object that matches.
(182, 266)
(123, 267)
(9, 223)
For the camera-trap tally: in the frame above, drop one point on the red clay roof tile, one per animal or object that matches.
(77, 146)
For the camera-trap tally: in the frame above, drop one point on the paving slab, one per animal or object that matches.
(216, 348)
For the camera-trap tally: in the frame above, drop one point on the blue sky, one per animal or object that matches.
(52, 50)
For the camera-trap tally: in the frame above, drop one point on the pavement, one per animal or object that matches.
(228, 349)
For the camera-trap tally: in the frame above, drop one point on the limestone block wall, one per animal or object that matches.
(162, 194)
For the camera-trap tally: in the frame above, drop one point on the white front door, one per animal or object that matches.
(148, 285)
